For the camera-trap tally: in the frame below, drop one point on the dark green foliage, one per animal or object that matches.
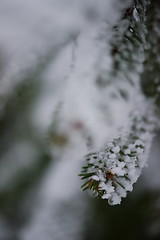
(150, 79)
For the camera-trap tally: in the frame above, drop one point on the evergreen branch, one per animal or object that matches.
(111, 172)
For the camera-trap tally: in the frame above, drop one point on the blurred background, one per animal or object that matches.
(40, 196)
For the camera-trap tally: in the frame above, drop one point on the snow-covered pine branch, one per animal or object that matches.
(113, 170)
